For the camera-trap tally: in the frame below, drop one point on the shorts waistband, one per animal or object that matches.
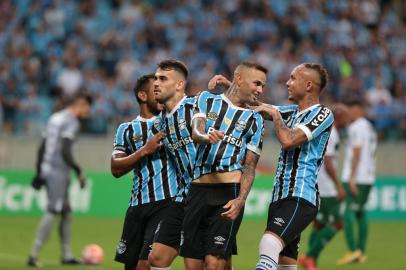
(215, 186)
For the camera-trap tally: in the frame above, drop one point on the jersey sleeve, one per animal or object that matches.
(286, 110)
(255, 142)
(200, 106)
(356, 135)
(121, 139)
(70, 130)
(317, 122)
(332, 143)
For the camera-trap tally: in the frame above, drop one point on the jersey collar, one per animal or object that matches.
(140, 118)
(232, 105)
(308, 109)
(176, 107)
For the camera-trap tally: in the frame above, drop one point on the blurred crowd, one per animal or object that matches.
(51, 49)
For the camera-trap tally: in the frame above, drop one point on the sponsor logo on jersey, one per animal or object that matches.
(319, 118)
(137, 138)
(229, 138)
(227, 121)
(240, 125)
(182, 124)
(121, 247)
(180, 143)
(219, 240)
(212, 116)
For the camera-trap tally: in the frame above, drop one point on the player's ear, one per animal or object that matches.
(180, 84)
(142, 96)
(238, 78)
(309, 85)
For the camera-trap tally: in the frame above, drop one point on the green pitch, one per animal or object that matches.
(386, 248)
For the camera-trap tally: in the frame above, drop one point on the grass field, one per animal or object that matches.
(386, 249)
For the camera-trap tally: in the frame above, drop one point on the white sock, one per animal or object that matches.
(269, 249)
(287, 267)
(160, 268)
(43, 231)
(65, 233)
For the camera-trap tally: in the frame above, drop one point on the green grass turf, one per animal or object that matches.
(386, 247)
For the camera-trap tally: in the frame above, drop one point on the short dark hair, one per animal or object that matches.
(141, 83)
(323, 74)
(254, 65)
(80, 95)
(173, 64)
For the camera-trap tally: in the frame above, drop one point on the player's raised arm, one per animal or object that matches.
(121, 162)
(218, 80)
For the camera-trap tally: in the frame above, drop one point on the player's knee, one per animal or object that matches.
(158, 259)
(143, 265)
(212, 263)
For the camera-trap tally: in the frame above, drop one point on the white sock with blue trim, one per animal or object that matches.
(269, 249)
(287, 267)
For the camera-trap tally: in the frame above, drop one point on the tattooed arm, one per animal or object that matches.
(288, 137)
(247, 178)
(199, 134)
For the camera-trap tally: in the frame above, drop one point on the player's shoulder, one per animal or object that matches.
(257, 116)
(206, 94)
(190, 99)
(361, 125)
(125, 125)
(286, 108)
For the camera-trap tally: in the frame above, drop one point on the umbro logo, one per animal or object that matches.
(219, 240)
(279, 221)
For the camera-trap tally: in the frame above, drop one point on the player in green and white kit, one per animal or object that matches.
(329, 219)
(358, 177)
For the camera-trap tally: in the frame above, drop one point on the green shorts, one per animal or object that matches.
(358, 202)
(329, 212)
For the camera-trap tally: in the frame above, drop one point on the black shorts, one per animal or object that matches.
(206, 232)
(169, 230)
(138, 231)
(287, 218)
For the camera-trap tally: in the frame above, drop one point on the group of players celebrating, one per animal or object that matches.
(194, 160)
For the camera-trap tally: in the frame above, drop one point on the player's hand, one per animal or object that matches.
(266, 110)
(154, 144)
(340, 193)
(215, 136)
(218, 80)
(37, 182)
(82, 181)
(353, 188)
(234, 208)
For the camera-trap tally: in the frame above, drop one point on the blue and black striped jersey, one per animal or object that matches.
(178, 142)
(243, 130)
(155, 175)
(296, 175)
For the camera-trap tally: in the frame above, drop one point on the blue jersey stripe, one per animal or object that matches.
(240, 126)
(298, 168)
(153, 175)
